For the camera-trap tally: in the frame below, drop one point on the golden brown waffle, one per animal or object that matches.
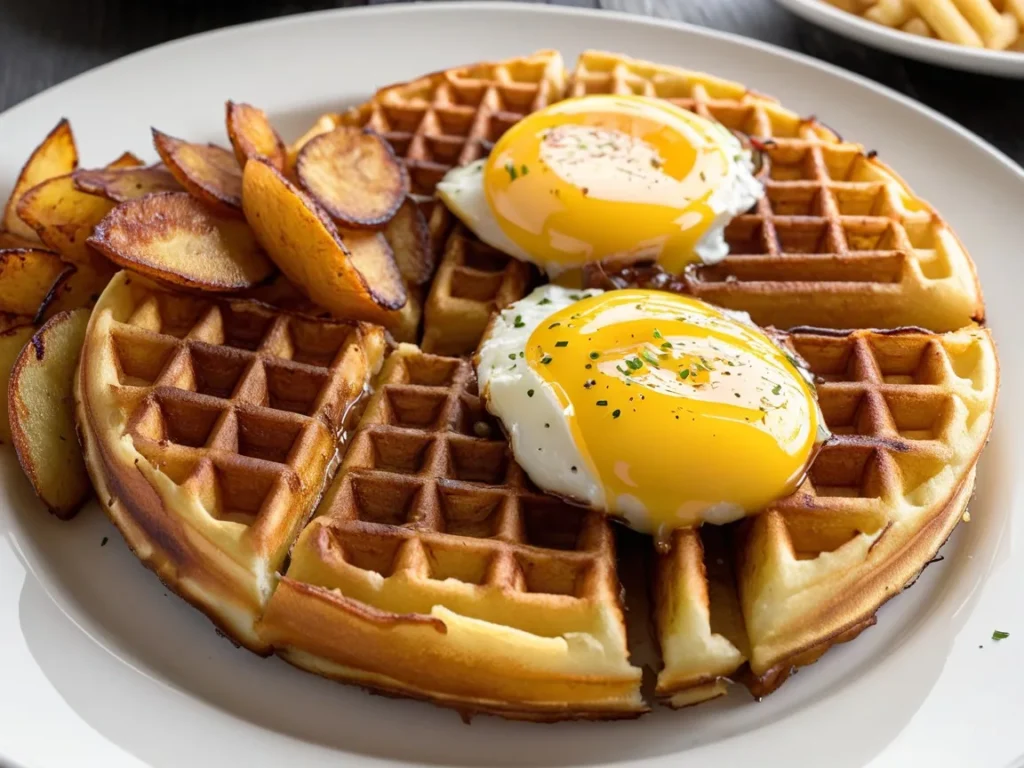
(433, 569)
(472, 282)
(910, 412)
(837, 241)
(210, 430)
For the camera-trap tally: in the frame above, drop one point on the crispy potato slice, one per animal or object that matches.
(26, 278)
(210, 173)
(122, 184)
(40, 406)
(125, 160)
(371, 255)
(56, 156)
(15, 333)
(409, 237)
(354, 175)
(252, 135)
(9, 240)
(77, 289)
(173, 237)
(305, 244)
(64, 218)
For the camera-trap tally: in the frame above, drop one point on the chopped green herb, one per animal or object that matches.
(602, 403)
(657, 333)
(684, 374)
(523, 171)
(529, 393)
(999, 635)
(575, 296)
(543, 301)
(616, 413)
(667, 345)
(511, 169)
(518, 322)
(512, 356)
(545, 360)
(561, 343)
(776, 389)
(635, 364)
(594, 355)
(650, 358)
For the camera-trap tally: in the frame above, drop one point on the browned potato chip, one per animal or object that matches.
(354, 175)
(56, 156)
(126, 160)
(121, 184)
(26, 278)
(64, 218)
(370, 253)
(208, 172)
(409, 237)
(9, 240)
(40, 406)
(77, 289)
(15, 331)
(252, 135)
(305, 244)
(172, 236)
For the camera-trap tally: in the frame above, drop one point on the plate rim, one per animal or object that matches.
(527, 8)
(1007, 64)
(802, 60)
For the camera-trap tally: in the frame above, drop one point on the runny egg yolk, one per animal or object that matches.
(682, 413)
(611, 177)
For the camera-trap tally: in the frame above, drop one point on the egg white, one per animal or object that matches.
(462, 190)
(537, 424)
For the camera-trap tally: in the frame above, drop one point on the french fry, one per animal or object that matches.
(943, 17)
(997, 30)
(891, 13)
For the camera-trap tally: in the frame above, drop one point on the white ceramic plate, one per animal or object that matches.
(1005, 63)
(99, 665)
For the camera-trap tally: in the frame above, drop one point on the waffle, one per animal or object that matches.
(210, 429)
(910, 412)
(837, 241)
(473, 282)
(434, 570)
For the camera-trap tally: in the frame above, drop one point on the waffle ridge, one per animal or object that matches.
(230, 410)
(910, 411)
(838, 240)
(429, 500)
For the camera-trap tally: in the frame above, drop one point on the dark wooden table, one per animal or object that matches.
(43, 42)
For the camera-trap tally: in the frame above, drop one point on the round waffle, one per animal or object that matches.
(432, 567)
